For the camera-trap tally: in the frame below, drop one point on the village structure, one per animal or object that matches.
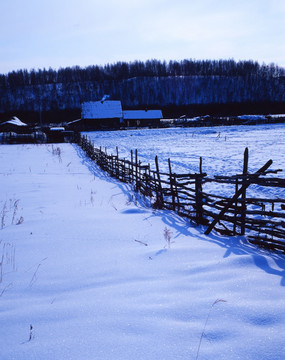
(108, 114)
(13, 125)
(95, 115)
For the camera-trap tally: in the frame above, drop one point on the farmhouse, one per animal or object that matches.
(108, 114)
(142, 118)
(14, 131)
(96, 115)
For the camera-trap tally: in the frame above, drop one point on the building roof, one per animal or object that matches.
(142, 114)
(108, 109)
(252, 117)
(14, 121)
(74, 121)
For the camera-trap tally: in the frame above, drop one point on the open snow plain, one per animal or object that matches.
(221, 147)
(87, 271)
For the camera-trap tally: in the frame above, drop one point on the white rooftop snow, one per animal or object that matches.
(276, 115)
(252, 117)
(108, 109)
(142, 114)
(15, 121)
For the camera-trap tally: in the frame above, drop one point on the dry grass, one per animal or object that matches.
(15, 209)
(167, 233)
(3, 215)
(92, 200)
(31, 335)
(205, 324)
(8, 258)
(56, 151)
(11, 209)
(20, 221)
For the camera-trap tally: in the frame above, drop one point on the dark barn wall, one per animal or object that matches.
(142, 122)
(98, 124)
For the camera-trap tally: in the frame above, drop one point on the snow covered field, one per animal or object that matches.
(99, 276)
(221, 147)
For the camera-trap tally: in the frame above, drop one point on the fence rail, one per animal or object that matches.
(261, 219)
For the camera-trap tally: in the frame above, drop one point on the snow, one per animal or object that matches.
(15, 121)
(142, 114)
(108, 109)
(90, 268)
(221, 147)
(58, 128)
(252, 117)
(277, 115)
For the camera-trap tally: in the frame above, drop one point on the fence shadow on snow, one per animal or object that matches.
(191, 196)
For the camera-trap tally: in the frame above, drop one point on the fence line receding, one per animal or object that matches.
(261, 219)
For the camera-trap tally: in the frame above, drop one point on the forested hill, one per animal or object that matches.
(190, 86)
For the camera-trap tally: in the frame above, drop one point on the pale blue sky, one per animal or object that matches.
(60, 33)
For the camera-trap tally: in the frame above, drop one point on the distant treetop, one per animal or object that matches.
(150, 68)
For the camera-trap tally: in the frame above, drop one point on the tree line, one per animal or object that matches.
(149, 68)
(208, 85)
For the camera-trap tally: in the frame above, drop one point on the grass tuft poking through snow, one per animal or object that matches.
(206, 322)
(167, 233)
(10, 210)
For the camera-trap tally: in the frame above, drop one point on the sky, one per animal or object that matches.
(59, 33)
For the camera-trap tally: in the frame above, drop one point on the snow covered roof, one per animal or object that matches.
(73, 121)
(14, 121)
(57, 128)
(276, 115)
(252, 117)
(108, 109)
(142, 114)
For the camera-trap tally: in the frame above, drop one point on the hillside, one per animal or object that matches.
(189, 87)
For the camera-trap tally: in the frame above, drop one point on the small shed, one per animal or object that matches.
(142, 118)
(102, 114)
(14, 125)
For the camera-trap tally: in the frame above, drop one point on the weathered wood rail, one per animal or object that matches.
(261, 219)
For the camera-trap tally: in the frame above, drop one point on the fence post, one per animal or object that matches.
(124, 171)
(198, 197)
(132, 167)
(171, 185)
(106, 165)
(236, 209)
(147, 181)
(159, 187)
(246, 184)
(139, 176)
(117, 163)
(136, 164)
(243, 194)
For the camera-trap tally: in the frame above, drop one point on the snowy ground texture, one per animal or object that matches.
(221, 147)
(91, 270)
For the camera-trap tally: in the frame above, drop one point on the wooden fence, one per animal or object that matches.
(261, 219)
